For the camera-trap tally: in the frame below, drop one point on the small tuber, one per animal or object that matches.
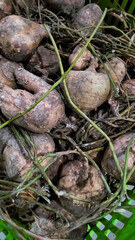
(84, 59)
(116, 67)
(120, 146)
(88, 16)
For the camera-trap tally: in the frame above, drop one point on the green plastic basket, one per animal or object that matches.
(118, 225)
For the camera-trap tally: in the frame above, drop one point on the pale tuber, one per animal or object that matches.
(116, 67)
(84, 59)
(88, 89)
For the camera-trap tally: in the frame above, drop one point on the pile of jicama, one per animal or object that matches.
(67, 116)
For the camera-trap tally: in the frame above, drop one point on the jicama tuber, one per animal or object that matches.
(66, 6)
(88, 17)
(19, 37)
(88, 89)
(82, 181)
(120, 145)
(116, 67)
(84, 59)
(17, 159)
(41, 118)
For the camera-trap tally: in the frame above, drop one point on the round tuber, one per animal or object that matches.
(129, 87)
(120, 146)
(66, 6)
(83, 61)
(17, 159)
(19, 37)
(116, 67)
(82, 181)
(88, 89)
(88, 16)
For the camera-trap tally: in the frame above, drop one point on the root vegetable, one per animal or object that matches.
(5, 8)
(120, 146)
(83, 61)
(116, 67)
(88, 89)
(6, 75)
(46, 224)
(88, 16)
(66, 6)
(44, 61)
(129, 87)
(45, 115)
(83, 182)
(16, 158)
(19, 37)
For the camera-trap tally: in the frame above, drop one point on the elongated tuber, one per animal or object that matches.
(45, 115)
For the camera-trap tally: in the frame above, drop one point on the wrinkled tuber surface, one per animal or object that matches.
(89, 15)
(41, 118)
(88, 89)
(44, 61)
(19, 37)
(116, 67)
(82, 181)
(66, 6)
(83, 61)
(120, 146)
(17, 159)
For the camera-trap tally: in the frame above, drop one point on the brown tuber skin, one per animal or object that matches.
(6, 76)
(83, 61)
(19, 37)
(89, 15)
(41, 118)
(5, 8)
(88, 89)
(66, 6)
(16, 158)
(116, 67)
(129, 87)
(82, 181)
(44, 61)
(120, 146)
